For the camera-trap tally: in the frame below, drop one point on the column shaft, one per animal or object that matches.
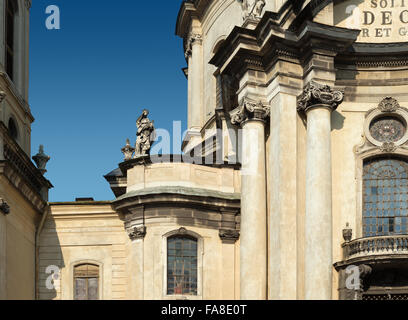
(318, 262)
(253, 213)
(196, 84)
(3, 260)
(136, 270)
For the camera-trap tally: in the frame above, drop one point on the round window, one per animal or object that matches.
(387, 129)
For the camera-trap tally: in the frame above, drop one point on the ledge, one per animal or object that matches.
(181, 191)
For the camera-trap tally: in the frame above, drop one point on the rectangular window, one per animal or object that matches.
(86, 282)
(181, 266)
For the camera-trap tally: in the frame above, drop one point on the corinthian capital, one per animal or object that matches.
(249, 110)
(136, 232)
(2, 96)
(316, 94)
(193, 38)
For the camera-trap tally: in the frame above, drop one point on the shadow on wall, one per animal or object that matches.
(344, 10)
(337, 121)
(51, 262)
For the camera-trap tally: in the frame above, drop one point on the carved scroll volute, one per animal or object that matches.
(249, 110)
(319, 95)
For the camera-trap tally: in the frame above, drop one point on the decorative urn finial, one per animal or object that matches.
(347, 233)
(128, 150)
(41, 160)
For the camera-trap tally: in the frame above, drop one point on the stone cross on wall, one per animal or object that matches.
(252, 9)
(145, 135)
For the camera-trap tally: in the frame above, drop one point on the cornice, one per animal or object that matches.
(256, 49)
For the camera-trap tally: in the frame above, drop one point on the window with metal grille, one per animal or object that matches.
(10, 17)
(86, 282)
(385, 195)
(181, 265)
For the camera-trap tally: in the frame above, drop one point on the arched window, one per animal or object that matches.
(12, 128)
(10, 20)
(385, 195)
(86, 282)
(182, 265)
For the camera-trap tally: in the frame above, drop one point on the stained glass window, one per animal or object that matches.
(385, 192)
(181, 265)
(387, 129)
(86, 282)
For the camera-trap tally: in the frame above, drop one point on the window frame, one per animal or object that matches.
(200, 253)
(360, 160)
(101, 277)
(16, 127)
(371, 161)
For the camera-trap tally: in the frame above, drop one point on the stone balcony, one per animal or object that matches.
(395, 245)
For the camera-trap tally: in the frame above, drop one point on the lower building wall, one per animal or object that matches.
(17, 245)
(93, 233)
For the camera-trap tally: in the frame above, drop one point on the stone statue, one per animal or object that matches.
(145, 135)
(252, 8)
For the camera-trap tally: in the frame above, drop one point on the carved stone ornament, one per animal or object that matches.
(317, 94)
(385, 128)
(136, 233)
(2, 96)
(4, 207)
(145, 135)
(229, 235)
(252, 9)
(389, 104)
(28, 4)
(388, 147)
(128, 150)
(347, 233)
(41, 160)
(193, 38)
(249, 110)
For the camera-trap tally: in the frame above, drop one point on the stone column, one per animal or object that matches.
(136, 265)
(3, 260)
(2, 97)
(317, 103)
(3, 229)
(194, 53)
(253, 266)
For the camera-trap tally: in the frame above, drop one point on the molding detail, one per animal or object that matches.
(389, 104)
(388, 147)
(228, 235)
(2, 96)
(252, 9)
(4, 207)
(388, 107)
(249, 110)
(316, 94)
(136, 233)
(193, 38)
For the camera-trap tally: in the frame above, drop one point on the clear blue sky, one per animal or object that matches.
(90, 80)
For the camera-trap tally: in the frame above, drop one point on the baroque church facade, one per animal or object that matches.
(293, 178)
